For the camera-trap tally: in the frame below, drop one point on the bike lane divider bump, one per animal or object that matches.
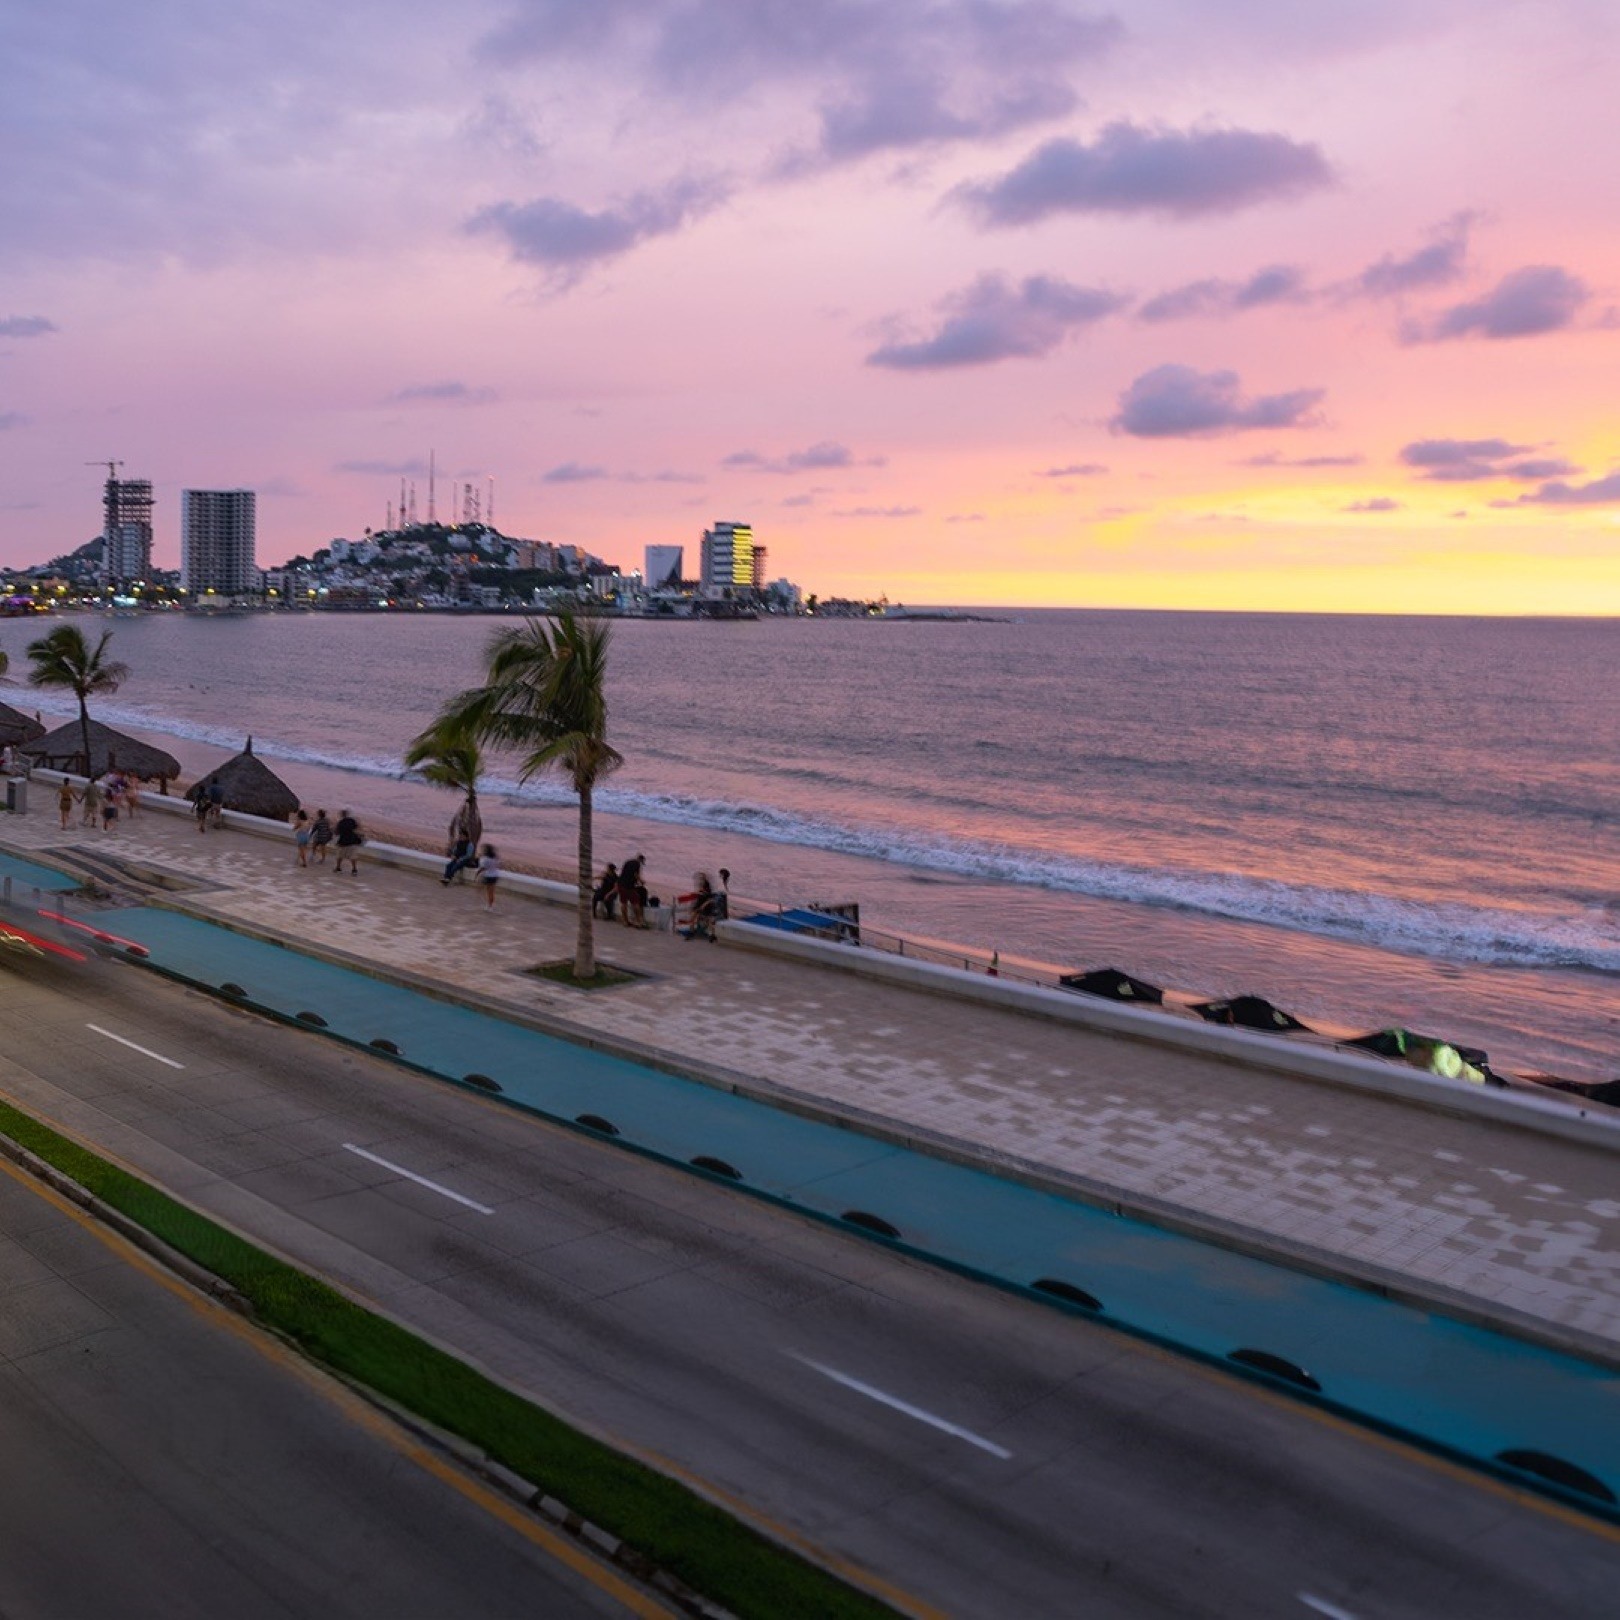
(145, 1051)
(894, 1403)
(421, 1181)
(1322, 1606)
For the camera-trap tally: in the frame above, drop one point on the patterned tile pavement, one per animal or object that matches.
(1516, 1221)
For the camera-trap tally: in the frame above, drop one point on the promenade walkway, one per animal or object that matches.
(1479, 1215)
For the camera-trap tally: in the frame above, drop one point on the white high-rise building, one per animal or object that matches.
(216, 542)
(664, 565)
(733, 566)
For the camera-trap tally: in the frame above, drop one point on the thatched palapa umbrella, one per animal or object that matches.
(249, 785)
(63, 750)
(17, 728)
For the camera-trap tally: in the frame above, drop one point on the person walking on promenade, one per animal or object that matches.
(489, 873)
(349, 840)
(64, 802)
(605, 893)
(199, 806)
(91, 800)
(132, 795)
(320, 835)
(216, 803)
(301, 834)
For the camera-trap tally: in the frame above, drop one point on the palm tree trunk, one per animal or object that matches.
(584, 938)
(84, 732)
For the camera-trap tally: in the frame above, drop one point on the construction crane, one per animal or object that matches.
(111, 466)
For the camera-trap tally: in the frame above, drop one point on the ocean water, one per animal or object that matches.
(1368, 820)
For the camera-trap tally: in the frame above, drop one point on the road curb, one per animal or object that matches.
(131, 1231)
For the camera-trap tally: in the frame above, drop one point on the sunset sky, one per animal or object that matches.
(1163, 303)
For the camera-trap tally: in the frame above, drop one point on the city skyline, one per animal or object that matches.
(959, 302)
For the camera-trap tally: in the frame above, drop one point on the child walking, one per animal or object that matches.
(489, 873)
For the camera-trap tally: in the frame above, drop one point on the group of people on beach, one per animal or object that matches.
(104, 799)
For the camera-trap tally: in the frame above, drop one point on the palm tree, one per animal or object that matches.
(545, 696)
(449, 755)
(64, 658)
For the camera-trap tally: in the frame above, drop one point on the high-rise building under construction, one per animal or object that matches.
(126, 533)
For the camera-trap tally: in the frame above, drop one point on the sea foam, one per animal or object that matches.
(1492, 936)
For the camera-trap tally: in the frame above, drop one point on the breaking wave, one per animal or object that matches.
(1588, 937)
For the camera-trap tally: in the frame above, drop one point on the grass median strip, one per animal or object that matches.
(698, 1543)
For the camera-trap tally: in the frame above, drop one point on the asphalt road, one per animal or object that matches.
(978, 1453)
(158, 1457)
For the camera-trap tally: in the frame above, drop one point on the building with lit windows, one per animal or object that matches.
(733, 566)
(216, 542)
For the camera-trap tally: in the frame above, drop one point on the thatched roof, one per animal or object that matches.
(251, 786)
(62, 750)
(17, 727)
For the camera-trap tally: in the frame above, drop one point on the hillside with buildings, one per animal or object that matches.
(462, 566)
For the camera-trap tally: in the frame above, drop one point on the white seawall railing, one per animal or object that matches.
(1554, 1115)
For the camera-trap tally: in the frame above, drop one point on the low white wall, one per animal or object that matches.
(1554, 1115)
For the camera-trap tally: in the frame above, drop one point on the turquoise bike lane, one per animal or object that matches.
(1538, 1416)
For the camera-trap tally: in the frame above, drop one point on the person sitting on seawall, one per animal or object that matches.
(462, 856)
(466, 833)
(606, 893)
(705, 911)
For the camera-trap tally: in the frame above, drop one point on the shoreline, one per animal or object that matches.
(1531, 1017)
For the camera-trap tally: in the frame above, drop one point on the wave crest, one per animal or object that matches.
(1494, 936)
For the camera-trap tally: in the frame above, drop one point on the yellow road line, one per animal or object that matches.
(896, 1597)
(358, 1411)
